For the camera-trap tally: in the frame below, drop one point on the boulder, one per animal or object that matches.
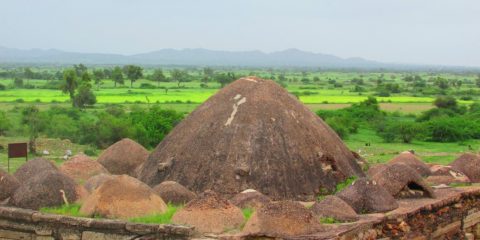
(46, 189)
(173, 192)
(468, 163)
(366, 196)
(123, 157)
(8, 185)
(80, 168)
(250, 198)
(445, 175)
(32, 168)
(252, 134)
(123, 197)
(334, 207)
(402, 181)
(412, 161)
(209, 213)
(374, 169)
(96, 181)
(282, 219)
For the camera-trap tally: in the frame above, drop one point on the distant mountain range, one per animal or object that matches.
(199, 57)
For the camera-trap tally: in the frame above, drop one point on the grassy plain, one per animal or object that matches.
(317, 95)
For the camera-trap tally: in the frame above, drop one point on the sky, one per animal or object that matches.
(443, 32)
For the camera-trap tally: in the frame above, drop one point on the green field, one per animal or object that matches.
(319, 90)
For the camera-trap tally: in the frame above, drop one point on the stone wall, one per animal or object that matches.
(455, 215)
(16, 223)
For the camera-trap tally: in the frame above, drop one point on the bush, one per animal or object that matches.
(4, 123)
(147, 86)
(339, 128)
(448, 129)
(2, 87)
(402, 130)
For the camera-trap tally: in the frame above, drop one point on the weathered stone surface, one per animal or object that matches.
(366, 196)
(252, 134)
(468, 164)
(47, 189)
(8, 185)
(334, 207)
(250, 199)
(402, 181)
(123, 197)
(32, 168)
(81, 167)
(412, 161)
(173, 192)
(89, 235)
(209, 213)
(282, 219)
(123, 157)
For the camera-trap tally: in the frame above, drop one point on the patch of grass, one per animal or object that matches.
(344, 184)
(329, 220)
(164, 218)
(69, 210)
(247, 213)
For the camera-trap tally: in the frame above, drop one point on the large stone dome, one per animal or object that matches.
(252, 134)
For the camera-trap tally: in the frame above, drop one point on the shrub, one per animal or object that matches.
(2, 87)
(4, 123)
(448, 129)
(147, 86)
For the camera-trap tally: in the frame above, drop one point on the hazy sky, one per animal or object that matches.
(406, 31)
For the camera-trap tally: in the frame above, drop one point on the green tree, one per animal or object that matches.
(133, 73)
(84, 96)
(447, 102)
(31, 118)
(70, 83)
(208, 74)
(80, 69)
(98, 76)
(478, 80)
(179, 76)
(442, 83)
(117, 76)
(225, 79)
(158, 76)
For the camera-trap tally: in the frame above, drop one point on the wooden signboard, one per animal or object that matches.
(17, 150)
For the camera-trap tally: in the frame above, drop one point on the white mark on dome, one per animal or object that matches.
(249, 191)
(250, 79)
(235, 109)
(238, 96)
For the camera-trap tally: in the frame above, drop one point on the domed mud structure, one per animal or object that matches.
(252, 135)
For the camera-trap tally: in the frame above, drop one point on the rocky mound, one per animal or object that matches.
(123, 197)
(173, 192)
(334, 207)
(45, 189)
(374, 169)
(80, 168)
(209, 213)
(252, 134)
(123, 157)
(412, 161)
(32, 168)
(402, 181)
(94, 182)
(250, 199)
(366, 196)
(8, 185)
(445, 175)
(468, 163)
(282, 219)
